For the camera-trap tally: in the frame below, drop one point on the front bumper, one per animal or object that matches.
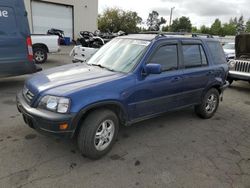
(235, 75)
(44, 121)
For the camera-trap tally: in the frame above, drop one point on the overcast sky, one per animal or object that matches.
(199, 11)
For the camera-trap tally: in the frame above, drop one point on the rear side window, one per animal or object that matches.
(194, 56)
(167, 56)
(7, 21)
(217, 52)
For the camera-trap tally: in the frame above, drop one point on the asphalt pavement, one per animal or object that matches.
(176, 150)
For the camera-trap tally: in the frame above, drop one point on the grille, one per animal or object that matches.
(242, 66)
(28, 95)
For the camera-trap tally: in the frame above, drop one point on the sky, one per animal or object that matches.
(200, 12)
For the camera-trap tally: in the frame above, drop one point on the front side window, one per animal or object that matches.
(167, 57)
(194, 56)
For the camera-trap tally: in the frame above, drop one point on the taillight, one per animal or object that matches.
(30, 50)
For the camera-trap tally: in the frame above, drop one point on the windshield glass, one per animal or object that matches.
(229, 46)
(119, 55)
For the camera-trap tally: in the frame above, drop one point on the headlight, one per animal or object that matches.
(231, 64)
(55, 104)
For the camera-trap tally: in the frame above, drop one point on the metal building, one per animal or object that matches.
(71, 16)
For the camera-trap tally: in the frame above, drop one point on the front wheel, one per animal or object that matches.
(40, 55)
(230, 80)
(98, 133)
(209, 104)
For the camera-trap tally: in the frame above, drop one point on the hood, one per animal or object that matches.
(229, 51)
(70, 77)
(242, 45)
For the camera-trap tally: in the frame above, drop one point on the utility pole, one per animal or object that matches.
(171, 13)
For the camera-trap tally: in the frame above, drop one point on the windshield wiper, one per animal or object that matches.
(99, 65)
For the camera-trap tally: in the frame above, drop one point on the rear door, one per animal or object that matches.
(196, 72)
(14, 31)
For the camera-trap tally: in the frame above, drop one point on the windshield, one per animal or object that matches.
(119, 55)
(229, 46)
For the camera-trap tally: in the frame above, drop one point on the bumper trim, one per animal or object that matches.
(239, 75)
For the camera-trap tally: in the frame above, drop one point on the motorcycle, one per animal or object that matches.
(88, 39)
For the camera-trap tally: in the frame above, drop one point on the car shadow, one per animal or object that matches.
(12, 83)
(241, 86)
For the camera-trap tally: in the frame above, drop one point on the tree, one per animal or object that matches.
(240, 25)
(216, 28)
(204, 29)
(195, 30)
(182, 24)
(248, 26)
(165, 28)
(154, 22)
(229, 29)
(114, 20)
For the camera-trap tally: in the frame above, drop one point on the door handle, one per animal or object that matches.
(176, 79)
(210, 72)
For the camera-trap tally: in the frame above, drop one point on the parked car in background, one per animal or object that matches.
(229, 49)
(130, 79)
(82, 54)
(59, 33)
(16, 56)
(240, 66)
(44, 44)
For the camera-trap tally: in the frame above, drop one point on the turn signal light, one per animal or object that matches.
(63, 126)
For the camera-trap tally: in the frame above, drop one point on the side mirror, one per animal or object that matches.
(153, 69)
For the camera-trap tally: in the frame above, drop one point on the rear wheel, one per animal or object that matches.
(209, 105)
(40, 55)
(98, 133)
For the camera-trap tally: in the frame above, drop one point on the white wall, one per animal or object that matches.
(85, 13)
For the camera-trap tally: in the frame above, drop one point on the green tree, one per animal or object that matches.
(216, 28)
(195, 30)
(114, 20)
(165, 28)
(248, 26)
(154, 22)
(204, 29)
(182, 24)
(229, 28)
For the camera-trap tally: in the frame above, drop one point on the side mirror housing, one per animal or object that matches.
(153, 69)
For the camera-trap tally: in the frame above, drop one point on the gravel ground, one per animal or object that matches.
(177, 149)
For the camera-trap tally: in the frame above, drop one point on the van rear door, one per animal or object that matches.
(14, 31)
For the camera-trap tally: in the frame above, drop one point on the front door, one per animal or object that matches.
(157, 93)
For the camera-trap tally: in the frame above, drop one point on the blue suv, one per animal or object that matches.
(130, 79)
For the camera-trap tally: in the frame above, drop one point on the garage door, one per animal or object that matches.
(47, 15)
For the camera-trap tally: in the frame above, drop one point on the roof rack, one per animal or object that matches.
(162, 34)
(202, 35)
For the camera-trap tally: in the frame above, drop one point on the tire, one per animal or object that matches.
(209, 105)
(230, 81)
(92, 127)
(40, 55)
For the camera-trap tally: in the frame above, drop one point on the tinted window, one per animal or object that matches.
(194, 56)
(167, 57)
(7, 21)
(217, 52)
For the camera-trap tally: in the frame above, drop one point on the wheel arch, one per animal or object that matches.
(114, 106)
(40, 45)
